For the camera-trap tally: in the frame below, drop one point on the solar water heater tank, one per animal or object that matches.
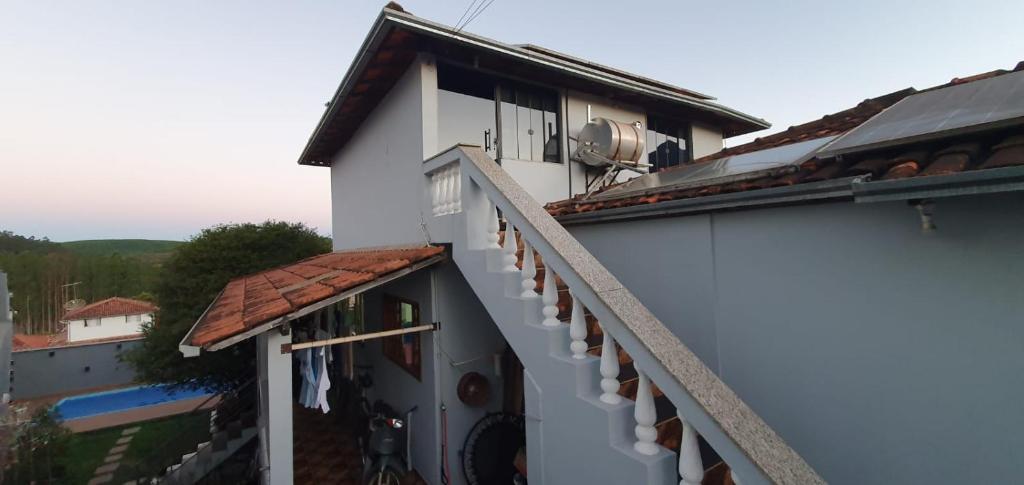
(614, 140)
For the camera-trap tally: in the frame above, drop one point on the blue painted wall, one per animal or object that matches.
(881, 354)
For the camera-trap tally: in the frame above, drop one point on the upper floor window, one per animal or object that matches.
(134, 318)
(529, 123)
(524, 125)
(92, 322)
(667, 143)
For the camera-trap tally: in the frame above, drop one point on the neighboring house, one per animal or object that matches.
(838, 302)
(110, 318)
(84, 355)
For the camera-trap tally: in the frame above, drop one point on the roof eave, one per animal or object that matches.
(392, 18)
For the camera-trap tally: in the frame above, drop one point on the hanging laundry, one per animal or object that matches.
(308, 394)
(323, 382)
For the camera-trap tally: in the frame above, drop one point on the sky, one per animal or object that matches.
(155, 119)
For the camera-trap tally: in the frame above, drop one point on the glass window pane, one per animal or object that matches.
(536, 134)
(551, 148)
(509, 130)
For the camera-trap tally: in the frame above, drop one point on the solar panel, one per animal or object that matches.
(728, 169)
(974, 106)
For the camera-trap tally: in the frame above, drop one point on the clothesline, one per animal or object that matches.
(288, 348)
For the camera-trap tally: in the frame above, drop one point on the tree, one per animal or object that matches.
(192, 277)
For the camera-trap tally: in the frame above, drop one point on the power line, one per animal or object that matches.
(464, 14)
(476, 14)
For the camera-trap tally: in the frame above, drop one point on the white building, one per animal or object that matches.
(838, 302)
(110, 318)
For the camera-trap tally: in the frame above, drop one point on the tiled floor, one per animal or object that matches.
(326, 453)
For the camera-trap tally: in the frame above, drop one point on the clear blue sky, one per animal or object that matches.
(154, 119)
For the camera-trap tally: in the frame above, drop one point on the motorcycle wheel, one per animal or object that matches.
(386, 477)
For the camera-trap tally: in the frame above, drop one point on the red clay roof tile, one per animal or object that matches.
(110, 307)
(250, 301)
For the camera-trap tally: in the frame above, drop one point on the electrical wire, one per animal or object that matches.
(463, 17)
(475, 14)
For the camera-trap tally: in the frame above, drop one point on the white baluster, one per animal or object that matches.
(449, 191)
(510, 248)
(691, 469)
(457, 191)
(435, 193)
(578, 330)
(529, 271)
(442, 182)
(609, 369)
(492, 226)
(645, 415)
(550, 298)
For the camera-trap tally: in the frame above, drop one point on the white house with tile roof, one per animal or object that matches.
(110, 318)
(778, 312)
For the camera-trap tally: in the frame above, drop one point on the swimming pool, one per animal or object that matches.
(122, 399)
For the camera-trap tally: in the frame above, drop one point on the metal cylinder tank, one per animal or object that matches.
(612, 139)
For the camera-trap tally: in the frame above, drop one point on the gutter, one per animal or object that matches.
(857, 189)
(838, 189)
(988, 181)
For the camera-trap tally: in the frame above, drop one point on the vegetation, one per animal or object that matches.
(57, 456)
(153, 250)
(192, 277)
(38, 271)
(37, 450)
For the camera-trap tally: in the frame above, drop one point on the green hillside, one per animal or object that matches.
(124, 247)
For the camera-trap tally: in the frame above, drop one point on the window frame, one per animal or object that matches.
(684, 130)
(392, 347)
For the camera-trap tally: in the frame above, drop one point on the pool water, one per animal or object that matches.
(122, 399)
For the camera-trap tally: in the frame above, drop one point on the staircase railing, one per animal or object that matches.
(464, 179)
(229, 407)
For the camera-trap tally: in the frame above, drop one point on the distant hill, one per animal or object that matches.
(124, 247)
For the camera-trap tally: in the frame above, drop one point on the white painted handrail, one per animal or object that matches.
(706, 405)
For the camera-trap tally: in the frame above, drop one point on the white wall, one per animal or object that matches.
(377, 179)
(705, 139)
(107, 327)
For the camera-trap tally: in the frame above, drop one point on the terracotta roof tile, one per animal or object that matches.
(953, 156)
(1006, 154)
(250, 301)
(110, 307)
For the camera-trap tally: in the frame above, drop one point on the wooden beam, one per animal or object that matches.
(288, 348)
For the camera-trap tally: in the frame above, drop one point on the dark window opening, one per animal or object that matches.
(528, 115)
(404, 350)
(529, 123)
(667, 143)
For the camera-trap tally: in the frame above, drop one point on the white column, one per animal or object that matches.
(492, 225)
(735, 477)
(645, 416)
(691, 469)
(578, 330)
(510, 248)
(275, 374)
(529, 272)
(609, 370)
(550, 298)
